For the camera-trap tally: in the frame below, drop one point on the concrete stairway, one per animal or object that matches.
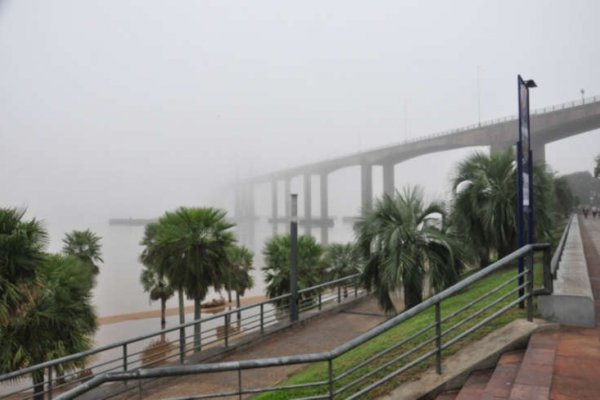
(518, 375)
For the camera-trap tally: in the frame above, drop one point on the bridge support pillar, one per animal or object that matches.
(286, 196)
(274, 206)
(307, 205)
(388, 179)
(539, 153)
(237, 208)
(244, 211)
(366, 179)
(324, 209)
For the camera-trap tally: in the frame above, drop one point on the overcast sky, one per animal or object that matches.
(128, 108)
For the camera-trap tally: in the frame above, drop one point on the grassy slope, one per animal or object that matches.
(318, 372)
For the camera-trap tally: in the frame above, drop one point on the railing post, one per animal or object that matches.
(548, 280)
(226, 330)
(330, 377)
(339, 299)
(198, 338)
(125, 357)
(320, 300)
(50, 383)
(438, 339)
(226, 333)
(262, 318)
(530, 287)
(181, 345)
(240, 383)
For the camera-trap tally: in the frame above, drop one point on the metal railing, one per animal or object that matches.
(440, 323)
(171, 346)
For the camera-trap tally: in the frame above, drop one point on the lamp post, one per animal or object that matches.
(582, 96)
(524, 174)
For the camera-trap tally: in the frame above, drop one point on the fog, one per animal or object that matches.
(114, 108)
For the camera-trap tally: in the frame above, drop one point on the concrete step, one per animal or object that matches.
(502, 381)
(475, 386)
(534, 377)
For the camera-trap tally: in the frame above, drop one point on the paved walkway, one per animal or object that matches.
(576, 372)
(317, 335)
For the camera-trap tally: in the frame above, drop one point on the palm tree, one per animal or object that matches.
(239, 277)
(22, 246)
(158, 288)
(485, 198)
(402, 239)
(277, 268)
(484, 206)
(60, 320)
(86, 246)
(342, 260)
(545, 201)
(157, 256)
(153, 282)
(190, 249)
(565, 199)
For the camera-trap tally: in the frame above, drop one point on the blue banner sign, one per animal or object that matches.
(525, 140)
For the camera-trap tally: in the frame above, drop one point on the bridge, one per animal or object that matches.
(548, 125)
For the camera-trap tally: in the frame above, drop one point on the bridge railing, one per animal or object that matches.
(539, 111)
(562, 106)
(441, 324)
(175, 345)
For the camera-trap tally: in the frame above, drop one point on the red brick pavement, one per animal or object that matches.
(576, 372)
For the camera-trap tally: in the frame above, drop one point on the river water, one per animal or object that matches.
(118, 289)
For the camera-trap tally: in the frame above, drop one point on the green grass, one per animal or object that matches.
(394, 336)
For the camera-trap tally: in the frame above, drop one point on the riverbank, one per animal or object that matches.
(114, 319)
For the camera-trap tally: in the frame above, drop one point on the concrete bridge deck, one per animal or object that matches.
(547, 125)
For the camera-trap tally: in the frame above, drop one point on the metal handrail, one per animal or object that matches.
(330, 356)
(560, 248)
(265, 317)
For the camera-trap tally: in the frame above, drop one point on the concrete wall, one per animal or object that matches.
(572, 302)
